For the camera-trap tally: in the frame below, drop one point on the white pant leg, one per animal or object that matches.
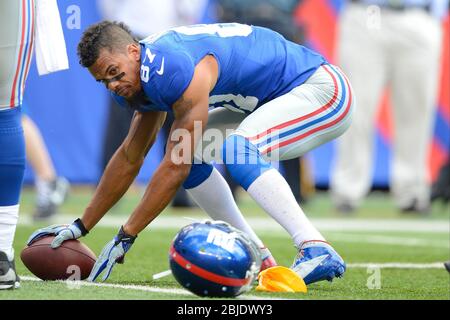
(8, 223)
(289, 126)
(310, 115)
(416, 42)
(16, 47)
(362, 56)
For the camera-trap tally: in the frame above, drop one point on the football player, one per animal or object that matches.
(19, 26)
(270, 99)
(15, 53)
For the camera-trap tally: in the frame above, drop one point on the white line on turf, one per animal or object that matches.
(397, 265)
(391, 240)
(121, 286)
(268, 224)
(162, 274)
(388, 265)
(181, 292)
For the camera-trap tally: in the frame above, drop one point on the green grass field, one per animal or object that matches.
(415, 248)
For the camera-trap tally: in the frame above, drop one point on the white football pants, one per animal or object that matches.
(289, 126)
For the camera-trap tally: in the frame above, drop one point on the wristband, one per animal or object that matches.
(81, 226)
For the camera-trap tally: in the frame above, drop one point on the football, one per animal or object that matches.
(72, 259)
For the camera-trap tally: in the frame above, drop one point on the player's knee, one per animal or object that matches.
(243, 160)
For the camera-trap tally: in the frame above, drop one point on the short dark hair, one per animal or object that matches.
(111, 35)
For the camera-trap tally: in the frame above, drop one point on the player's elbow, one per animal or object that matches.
(132, 159)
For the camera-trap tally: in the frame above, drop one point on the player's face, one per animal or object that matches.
(119, 71)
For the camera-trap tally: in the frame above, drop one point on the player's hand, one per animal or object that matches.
(62, 233)
(113, 252)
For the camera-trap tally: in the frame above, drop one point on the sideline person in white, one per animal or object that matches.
(396, 44)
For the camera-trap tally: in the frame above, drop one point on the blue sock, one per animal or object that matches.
(243, 160)
(198, 174)
(12, 157)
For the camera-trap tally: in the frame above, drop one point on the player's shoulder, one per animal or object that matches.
(166, 71)
(165, 41)
(263, 33)
(163, 53)
(162, 59)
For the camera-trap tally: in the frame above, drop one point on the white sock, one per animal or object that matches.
(273, 194)
(8, 222)
(215, 198)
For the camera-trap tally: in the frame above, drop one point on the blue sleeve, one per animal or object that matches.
(178, 70)
(198, 174)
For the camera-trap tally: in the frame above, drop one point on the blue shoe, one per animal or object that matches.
(317, 261)
(8, 276)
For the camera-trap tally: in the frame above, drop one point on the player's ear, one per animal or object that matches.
(134, 51)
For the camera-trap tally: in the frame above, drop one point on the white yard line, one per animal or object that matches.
(398, 265)
(340, 229)
(268, 224)
(110, 285)
(162, 275)
(390, 240)
(182, 292)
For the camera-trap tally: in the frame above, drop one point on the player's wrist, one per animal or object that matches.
(128, 231)
(80, 225)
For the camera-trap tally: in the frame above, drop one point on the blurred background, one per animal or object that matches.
(78, 122)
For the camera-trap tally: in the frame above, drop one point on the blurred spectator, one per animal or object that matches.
(395, 43)
(51, 190)
(278, 16)
(274, 14)
(145, 17)
(441, 188)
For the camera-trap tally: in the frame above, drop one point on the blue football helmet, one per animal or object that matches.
(214, 259)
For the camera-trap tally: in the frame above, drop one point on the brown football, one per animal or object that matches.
(72, 259)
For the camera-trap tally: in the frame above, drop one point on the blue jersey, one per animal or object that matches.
(256, 65)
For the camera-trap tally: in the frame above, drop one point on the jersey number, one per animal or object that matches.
(145, 73)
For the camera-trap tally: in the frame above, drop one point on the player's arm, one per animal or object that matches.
(124, 166)
(191, 112)
(118, 176)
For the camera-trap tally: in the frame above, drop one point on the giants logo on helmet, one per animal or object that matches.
(221, 239)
